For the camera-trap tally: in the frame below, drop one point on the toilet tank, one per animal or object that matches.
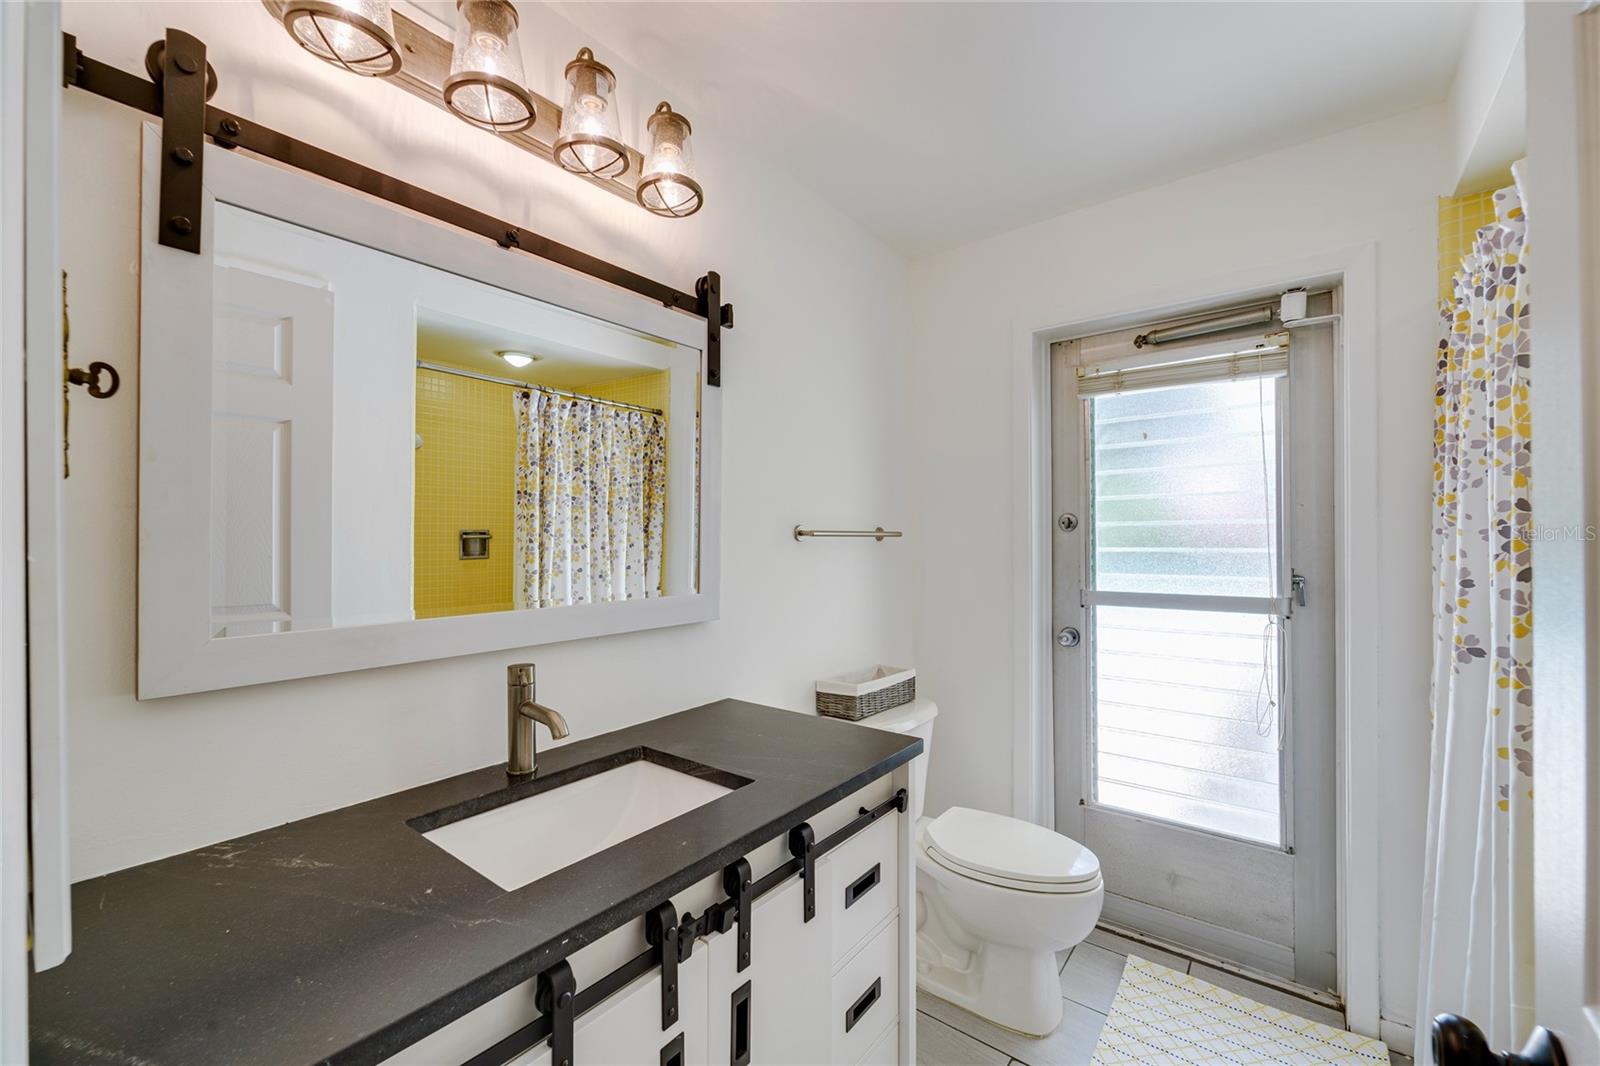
(915, 718)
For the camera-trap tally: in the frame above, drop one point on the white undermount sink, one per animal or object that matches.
(521, 842)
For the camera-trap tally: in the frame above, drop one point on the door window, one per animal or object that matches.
(1185, 596)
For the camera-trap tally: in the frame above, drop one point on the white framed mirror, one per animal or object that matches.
(367, 438)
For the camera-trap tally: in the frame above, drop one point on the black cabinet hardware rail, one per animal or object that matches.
(717, 918)
(177, 92)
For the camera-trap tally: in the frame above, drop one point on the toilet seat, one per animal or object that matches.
(1009, 853)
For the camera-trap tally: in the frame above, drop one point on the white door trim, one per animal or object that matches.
(1563, 224)
(1356, 555)
(47, 726)
(13, 555)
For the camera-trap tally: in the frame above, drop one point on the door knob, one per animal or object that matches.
(1457, 1042)
(1068, 636)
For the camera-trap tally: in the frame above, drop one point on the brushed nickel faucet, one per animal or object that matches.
(522, 710)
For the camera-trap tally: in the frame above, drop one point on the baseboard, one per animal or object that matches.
(1251, 951)
(1399, 1036)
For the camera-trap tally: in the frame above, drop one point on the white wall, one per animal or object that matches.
(1488, 100)
(811, 427)
(1376, 183)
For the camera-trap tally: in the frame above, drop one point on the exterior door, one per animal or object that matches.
(1194, 691)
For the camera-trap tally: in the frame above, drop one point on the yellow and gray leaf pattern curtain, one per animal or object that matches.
(591, 489)
(1477, 938)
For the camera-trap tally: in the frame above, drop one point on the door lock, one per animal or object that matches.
(1066, 521)
(1068, 636)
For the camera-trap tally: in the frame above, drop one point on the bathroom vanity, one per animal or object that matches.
(730, 884)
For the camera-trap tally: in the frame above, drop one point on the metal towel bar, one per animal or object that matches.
(876, 534)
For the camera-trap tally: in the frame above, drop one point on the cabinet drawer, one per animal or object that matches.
(862, 884)
(886, 1052)
(866, 996)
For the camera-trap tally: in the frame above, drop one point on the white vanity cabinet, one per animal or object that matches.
(823, 991)
(832, 990)
(626, 1028)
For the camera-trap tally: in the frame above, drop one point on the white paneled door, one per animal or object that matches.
(1193, 688)
(271, 448)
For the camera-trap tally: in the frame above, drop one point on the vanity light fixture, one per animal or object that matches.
(478, 76)
(667, 186)
(355, 35)
(519, 359)
(485, 86)
(588, 142)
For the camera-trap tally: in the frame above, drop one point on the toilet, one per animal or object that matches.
(997, 899)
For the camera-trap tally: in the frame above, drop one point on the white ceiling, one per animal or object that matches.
(475, 346)
(936, 124)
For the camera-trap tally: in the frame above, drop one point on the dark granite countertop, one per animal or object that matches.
(347, 936)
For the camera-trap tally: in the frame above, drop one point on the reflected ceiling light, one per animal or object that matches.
(485, 83)
(666, 184)
(589, 142)
(518, 359)
(356, 35)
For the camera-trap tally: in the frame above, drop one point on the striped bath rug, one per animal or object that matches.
(1161, 1017)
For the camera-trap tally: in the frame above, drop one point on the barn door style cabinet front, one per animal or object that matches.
(824, 975)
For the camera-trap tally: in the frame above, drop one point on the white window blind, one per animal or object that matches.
(1186, 540)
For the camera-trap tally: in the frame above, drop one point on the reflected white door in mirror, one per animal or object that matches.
(368, 439)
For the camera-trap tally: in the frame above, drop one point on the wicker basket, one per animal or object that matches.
(861, 695)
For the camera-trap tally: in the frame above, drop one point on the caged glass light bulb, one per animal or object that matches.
(485, 86)
(588, 142)
(667, 184)
(355, 35)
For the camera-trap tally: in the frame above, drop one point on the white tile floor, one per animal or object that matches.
(950, 1036)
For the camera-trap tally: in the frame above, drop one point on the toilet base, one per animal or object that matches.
(1017, 988)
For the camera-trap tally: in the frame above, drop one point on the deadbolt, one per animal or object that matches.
(1066, 521)
(1068, 637)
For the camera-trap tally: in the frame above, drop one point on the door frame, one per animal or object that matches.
(1356, 470)
(1564, 225)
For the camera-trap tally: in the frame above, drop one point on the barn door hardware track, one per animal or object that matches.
(717, 918)
(177, 92)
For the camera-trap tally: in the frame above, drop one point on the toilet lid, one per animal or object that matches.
(1009, 849)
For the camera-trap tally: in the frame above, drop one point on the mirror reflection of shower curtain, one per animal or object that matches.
(591, 489)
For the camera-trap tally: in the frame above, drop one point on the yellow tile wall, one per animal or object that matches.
(1460, 218)
(466, 470)
(646, 390)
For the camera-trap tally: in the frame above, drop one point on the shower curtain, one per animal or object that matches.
(1477, 935)
(591, 491)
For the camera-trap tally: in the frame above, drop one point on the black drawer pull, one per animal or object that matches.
(862, 1005)
(739, 1036)
(862, 885)
(672, 1054)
